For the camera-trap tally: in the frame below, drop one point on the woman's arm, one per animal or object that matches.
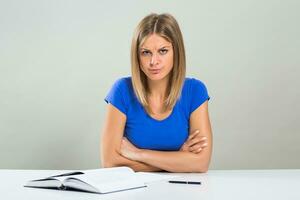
(111, 141)
(180, 161)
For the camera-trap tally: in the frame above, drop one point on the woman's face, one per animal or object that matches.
(156, 57)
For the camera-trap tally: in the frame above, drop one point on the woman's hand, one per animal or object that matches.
(195, 143)
(128, 150)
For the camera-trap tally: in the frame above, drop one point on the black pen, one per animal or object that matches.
(187, 182)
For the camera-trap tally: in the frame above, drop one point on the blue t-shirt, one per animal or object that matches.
(148, 133)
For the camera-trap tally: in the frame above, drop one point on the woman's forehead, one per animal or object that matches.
(155, 41)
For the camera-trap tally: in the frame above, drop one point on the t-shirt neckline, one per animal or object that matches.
(157, 120)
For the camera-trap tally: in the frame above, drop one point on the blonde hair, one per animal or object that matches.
(166, 26)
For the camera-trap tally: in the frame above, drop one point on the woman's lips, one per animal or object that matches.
(154, 71)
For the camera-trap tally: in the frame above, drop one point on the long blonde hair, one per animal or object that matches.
(166, 26)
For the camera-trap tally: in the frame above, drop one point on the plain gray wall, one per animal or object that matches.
(59, 58)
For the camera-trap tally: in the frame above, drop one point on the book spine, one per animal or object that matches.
(62, 187)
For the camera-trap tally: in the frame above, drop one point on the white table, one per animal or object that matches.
(216, 184)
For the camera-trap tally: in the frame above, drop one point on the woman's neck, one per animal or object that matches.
(157, 89)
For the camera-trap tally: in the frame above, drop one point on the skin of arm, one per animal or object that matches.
(178, 161)
(111, 142)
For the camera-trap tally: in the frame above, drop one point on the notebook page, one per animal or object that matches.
(102, 174)
(111, 179)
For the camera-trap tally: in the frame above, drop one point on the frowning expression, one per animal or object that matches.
(156, 57)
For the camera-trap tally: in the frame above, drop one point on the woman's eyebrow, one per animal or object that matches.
(143, 48)
(164, 47)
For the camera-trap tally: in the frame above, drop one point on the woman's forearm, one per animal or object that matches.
(176, 161)
(119, 160)
(142, 167)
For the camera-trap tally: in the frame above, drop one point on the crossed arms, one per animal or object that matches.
(194, 155)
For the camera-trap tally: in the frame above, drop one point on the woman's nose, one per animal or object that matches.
(154, 59)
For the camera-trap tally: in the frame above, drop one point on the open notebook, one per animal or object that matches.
(102, 180)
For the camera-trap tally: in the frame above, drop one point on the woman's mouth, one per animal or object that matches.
(154, 71)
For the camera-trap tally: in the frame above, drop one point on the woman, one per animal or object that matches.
(157, 120)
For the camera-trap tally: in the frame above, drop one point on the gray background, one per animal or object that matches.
(59, 58)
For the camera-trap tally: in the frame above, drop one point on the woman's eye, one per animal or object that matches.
(145, 53)
(163, 51)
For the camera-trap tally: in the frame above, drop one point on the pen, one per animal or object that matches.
(187, 182)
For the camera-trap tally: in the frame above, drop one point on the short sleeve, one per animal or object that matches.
(116, 96)
(198, 94)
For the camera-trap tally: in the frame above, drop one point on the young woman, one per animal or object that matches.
(157, 119)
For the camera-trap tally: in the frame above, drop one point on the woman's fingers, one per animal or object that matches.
(192, 135)
(195, 143)
(184, 147)
(196, 147)
(196, 140)
(198, 150)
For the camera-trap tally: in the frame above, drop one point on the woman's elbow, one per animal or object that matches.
(199, 169)
(203, 167)
(109, 161)
(204, 161)
(193, 169)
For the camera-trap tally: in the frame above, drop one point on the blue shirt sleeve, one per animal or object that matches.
(116, 95)
(198, 94)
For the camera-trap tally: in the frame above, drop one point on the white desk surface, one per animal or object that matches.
(216, 184)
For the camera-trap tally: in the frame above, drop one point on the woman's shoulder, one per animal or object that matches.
(191, 83)
(123, 81)
(194, 87)
(123, 84)
(194, 93)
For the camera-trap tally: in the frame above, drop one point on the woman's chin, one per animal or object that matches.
(156, 77)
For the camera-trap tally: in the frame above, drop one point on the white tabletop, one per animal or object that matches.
(216, 184)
